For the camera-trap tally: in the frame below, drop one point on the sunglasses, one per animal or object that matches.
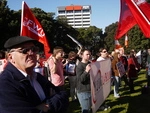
(26, 50)
(104, 51)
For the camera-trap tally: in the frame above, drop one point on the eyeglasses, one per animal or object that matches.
(26, 50)
(104, 51)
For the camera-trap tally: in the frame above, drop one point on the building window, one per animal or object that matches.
(86, 11)
(77, 11)
(69, 15)
(86, 18)
(77, 18)
(77, 21)
(78, 25)
(69, 11)
(86, 15)
(86, 21)
(61, 12)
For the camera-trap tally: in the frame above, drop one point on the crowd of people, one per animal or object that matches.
(28, 85)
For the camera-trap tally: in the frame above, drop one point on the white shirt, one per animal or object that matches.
(35, 85)
(100, 59)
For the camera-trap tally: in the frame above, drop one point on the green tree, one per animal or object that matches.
(109, 37)
(8, 23)
(91, 38)
(56, 31)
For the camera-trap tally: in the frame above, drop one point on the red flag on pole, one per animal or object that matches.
(32, 28)
(141, 12)
(126, 21)
(117, 44)
(126, 40)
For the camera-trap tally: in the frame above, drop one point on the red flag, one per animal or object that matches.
(126, 21)
(126, 40)
(31, 27)
(141, 12)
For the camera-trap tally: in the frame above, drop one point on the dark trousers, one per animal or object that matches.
(148, 81)
(124, 78)
(131, 84)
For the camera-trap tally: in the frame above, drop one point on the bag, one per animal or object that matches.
(46, 71)
(70, 69)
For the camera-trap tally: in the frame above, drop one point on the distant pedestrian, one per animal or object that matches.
(116, 75)
(133, 67)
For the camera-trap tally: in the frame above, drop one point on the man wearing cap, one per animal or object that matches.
(21, 89)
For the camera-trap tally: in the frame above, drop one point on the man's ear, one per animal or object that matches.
(10, 57)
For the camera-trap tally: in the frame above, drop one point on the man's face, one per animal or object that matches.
(24, 56)
(86, 55)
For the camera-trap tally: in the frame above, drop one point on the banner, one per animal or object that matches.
(141, 12)
(121, 69)
(100, 76)
(126, 20)
(32, 28)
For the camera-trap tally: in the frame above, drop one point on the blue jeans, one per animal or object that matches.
(116, 85)
(85, 101)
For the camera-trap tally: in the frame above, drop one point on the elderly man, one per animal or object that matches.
(21, 89)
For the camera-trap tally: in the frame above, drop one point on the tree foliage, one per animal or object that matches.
(8, 22)
(91, 38)
(56, 31)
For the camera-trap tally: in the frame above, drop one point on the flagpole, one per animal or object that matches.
(22, 16)
(74, 40)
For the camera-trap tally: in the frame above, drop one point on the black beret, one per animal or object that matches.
(14, 41)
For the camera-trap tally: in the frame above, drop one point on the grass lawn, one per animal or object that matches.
(128, 103)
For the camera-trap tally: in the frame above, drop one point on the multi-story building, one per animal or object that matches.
(76, 15)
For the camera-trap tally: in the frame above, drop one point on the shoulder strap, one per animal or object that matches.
(47, 69)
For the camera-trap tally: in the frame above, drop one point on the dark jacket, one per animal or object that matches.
(83, 78)
(132, 65)
(16, 93)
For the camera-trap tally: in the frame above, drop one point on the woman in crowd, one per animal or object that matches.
(115, 60)
(73, 60)
(56, 67)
